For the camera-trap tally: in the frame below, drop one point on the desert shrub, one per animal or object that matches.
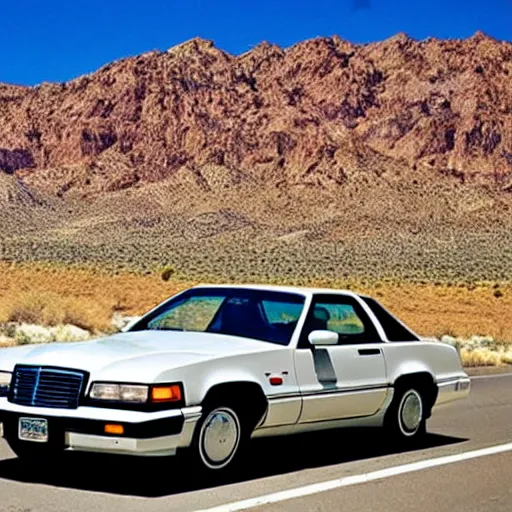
(507, 357)
(167, 273)
(27, 308)
(485, 355)
(26, 334)
(22, 338)
(8, 330)
(479, 357)
(88, 315)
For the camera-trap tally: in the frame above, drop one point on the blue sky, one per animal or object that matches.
(57, 40)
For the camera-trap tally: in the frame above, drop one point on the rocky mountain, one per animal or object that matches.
(308, 114)
(397, 153)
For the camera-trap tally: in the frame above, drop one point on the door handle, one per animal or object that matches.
(369, 351)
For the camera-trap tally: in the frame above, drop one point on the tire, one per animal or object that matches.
(220, 439)
(405, 422)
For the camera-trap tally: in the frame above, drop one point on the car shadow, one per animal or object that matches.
(157, 477)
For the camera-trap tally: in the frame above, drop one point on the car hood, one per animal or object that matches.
(142, 351)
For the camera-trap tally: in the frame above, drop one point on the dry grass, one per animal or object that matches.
(7, 342)
(486, 357)
(52, 309)
(88, 298)
(461, 311)
(51, 295)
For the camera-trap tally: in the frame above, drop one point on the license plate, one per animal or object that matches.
(33, 429)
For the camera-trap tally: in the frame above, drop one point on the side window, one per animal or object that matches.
(340, 318)
(340, 314)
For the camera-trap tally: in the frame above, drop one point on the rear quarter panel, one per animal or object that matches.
(440, 360)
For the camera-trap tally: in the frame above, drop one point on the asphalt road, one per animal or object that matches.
(479, 485)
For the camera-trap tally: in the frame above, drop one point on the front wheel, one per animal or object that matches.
(219, 440)
(405, 420)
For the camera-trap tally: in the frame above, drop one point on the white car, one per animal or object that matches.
(214, 366)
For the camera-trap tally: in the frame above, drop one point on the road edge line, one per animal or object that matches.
(381, 474)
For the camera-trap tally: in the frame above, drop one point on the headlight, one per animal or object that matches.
(136, 393)
(5, 383)
(119, 392)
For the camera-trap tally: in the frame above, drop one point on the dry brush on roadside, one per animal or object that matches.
(478, 351)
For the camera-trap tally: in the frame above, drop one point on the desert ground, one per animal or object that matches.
(472, 317)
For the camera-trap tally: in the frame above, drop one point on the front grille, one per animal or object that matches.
(38, 386)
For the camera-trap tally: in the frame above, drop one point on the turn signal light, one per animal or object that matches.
(166, 393)
(114, 429)
(275, 380)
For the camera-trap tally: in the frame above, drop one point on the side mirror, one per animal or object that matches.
(323, 338)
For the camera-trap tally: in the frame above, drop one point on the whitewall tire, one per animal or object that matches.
(410, 413)
(405, 420)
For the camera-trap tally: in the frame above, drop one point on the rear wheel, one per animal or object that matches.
(405, 420)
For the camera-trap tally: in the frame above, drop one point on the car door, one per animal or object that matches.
(346, 380)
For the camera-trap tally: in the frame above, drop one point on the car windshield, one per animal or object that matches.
(258, 314)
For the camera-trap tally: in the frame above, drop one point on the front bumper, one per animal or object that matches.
(149, 434)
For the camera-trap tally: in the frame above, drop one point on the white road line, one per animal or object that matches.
(357, 479)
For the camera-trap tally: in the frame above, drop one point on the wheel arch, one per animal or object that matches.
(424, 382)
(248, 396)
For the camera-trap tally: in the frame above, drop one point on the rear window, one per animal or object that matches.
(395, 330)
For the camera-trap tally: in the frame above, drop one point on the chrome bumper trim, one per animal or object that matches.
(453, 389)
(159, 446)
(156, 447)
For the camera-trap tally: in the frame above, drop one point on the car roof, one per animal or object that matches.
(288, 289)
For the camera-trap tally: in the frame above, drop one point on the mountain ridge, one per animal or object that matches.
(441, 105)
(206, 42)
